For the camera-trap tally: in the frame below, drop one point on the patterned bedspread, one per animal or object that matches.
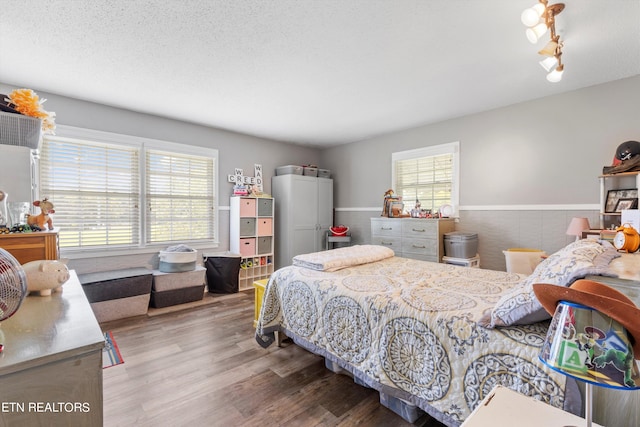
(408, 328)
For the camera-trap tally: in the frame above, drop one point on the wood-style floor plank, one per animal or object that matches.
(199, 365)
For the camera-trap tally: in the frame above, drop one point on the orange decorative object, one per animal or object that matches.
(27, 103)
(626, 238)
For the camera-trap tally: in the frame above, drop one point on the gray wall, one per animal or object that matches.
(235, 151)
(525, 170)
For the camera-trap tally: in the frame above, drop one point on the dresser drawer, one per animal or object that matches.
(386, 227)
(430, 258)
(420, 228)
(419, 246)
(394, 243)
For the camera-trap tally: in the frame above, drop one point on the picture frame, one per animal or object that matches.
(395, 209)
(388, 202)
(626, 204)
(613, 196)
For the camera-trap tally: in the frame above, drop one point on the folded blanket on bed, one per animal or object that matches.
(340, 258)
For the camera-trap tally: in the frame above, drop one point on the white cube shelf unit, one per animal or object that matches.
(251, 236)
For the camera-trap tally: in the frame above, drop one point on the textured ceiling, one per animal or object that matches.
(318, 72)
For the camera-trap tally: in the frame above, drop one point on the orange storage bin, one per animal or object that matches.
(265, 226)
(248, 207)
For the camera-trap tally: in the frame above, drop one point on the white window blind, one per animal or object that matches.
(95, 190)
(121, 192)
(179, 197)
(429, 175)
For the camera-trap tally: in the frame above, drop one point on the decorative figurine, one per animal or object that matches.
(46, 208)
(45, 275)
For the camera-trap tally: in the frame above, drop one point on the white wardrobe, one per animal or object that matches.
(304, 213)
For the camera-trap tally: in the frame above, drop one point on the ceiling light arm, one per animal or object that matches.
(560, 66)
(550, 13)
(540, 18)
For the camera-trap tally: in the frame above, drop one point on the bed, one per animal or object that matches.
(427, 336)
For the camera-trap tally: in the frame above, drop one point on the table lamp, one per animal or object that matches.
(592, 337)
(577, 226)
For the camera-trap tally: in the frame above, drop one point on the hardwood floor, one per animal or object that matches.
(202, 366)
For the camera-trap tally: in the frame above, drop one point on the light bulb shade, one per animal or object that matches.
(590, 346)
(534, 33)
(549, 49)
(577, 226)
(556, 75)
(549, 63)
(531, 16)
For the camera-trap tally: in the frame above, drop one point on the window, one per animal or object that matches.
(118, 191)
(429, 174)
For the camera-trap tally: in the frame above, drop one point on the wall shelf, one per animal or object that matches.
(623, 180)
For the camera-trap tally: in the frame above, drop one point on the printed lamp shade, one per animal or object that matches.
(590, 346)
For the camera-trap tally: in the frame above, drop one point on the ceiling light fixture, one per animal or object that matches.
(540, 18)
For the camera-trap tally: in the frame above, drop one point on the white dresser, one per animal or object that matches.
(51, 366)
(417, 238)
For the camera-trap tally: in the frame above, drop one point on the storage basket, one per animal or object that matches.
(289, 170)
(458, 244)
(309, 171)
(324, 173)
(19, 130)
(177, 261)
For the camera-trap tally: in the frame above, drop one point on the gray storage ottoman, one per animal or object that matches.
(118, 294)
(177, 288)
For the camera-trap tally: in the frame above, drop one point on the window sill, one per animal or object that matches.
(102, 252)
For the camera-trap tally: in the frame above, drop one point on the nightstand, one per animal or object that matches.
(627, 266)
(609, 403)
(504, 407)
(330, 239)
(260, 286)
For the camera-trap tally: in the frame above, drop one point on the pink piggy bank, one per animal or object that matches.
(45, 276)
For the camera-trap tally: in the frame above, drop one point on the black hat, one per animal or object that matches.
(6, 106)
(627, 150)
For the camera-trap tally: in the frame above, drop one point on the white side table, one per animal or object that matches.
(504, 407)
(336, 239)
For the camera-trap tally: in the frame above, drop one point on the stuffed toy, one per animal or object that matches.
(44, 276)
(46, 208)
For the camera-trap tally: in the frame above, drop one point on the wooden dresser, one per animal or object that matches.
(51, 366)
(32, 246)
(614, 407)
(417, 238)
